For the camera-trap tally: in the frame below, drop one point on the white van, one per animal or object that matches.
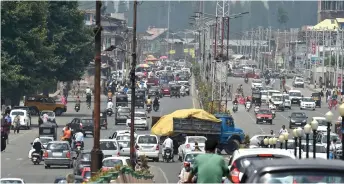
(272, 92)
(264, 96)
(295, 96)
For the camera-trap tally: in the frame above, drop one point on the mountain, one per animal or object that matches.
(262, 13)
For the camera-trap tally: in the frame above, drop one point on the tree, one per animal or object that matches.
(72, 39)
(24, 56)
(282, 16)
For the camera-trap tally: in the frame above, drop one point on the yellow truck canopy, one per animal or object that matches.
(164, 126)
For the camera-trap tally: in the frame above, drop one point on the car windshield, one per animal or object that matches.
(190, 157)
(10, 181)
(297, 94)
(244, 162)
(257, 81)
(277, 98)
(124, 144)
(306, 176)
(298, 115)
(124, 110)
(299, 80)
(264, 111)
(307, 100)
(57, 146)
(45, 140)
(197, 139)
(112, 163)
(86, 156)
(140, 115)
(321, 122)
(271, 93)
(332, 137)
(87, 121)
(15, 113)
(147, 140)
(123, 138)
(50, 114)
(107, 145)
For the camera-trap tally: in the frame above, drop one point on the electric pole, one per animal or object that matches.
(96, 153)
(133, 83)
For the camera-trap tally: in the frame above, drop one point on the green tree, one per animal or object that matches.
(24, 58)
(71, 38)
(282, 16)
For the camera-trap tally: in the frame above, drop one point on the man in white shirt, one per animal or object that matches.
(79, 137)
(168, 144)
(283, 130)
(88, 91)
(110, 104)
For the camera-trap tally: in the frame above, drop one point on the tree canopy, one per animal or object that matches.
(42, 42)
(282, 16)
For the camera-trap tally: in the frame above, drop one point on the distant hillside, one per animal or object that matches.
(264, 13)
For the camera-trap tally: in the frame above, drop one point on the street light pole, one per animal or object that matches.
(96, 153)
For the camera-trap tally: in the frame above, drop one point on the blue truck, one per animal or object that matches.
(229, 137)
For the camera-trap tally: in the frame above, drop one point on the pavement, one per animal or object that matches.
(15, 162)
(247, 121)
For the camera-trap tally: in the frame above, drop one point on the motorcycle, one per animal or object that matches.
(187, 91)
(109, 111)
(89, 105)
(235, 107)
(273, 114)
(149, 108)
(77, 107)
(36, 158)
(78, 146)
(248, 106)
(246, 80)
(167, 155)
(182, 93)
(156, 108)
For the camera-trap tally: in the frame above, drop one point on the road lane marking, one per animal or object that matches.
(162, 172)
(16, 137)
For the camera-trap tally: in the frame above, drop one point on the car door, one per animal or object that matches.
(48, 104)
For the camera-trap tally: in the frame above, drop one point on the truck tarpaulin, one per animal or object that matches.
(164, 126)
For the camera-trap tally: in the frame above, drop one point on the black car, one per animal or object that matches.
(297, 119)
(76, 126)
(153, 91)
(62, 179)
(294, 171)
(88, 126)
(103, 118)
(83, 160)
(121, 115)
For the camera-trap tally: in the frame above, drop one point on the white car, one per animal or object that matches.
(110, 147)
(256, 140)
(12, 180)
(148, 146)
(298, 82)
(307, 103)
(111, 162)
(119, 133)
(125, 145)
(271, 92)
(190, 157)
(189, 145)
(24, 117)
(278, 101)
(264, 96)
(295, 96)
(129, 95)
(322, 123)
(140, 120)
(287, 102)
(241, 159)
(44, 141)
(256, 83)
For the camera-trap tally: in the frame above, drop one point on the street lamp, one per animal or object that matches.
(341, 112)
(314, 125)
(281, 139)
(266, 142)
(329, 117)
(296, 135)
(308, 130)
(274, 141)
(300, 134)
(286, 135)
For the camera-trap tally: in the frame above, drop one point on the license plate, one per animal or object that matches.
(57, 154)
(88, 131)
(298, 123)
(79, 147)
(264, 121)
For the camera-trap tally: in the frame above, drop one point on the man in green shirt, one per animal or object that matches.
(209, 167)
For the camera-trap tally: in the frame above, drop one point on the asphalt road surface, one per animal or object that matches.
(247, 121)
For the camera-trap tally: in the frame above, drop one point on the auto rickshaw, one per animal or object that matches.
(122, 100)
(317, 98)
(175, 91)
(140, 100)
(48, 130)
(256, 98)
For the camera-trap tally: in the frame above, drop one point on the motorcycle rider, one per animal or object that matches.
(156, 102)
(182, 89)
(168, 144)
(77, 102)
(79, 137)
(184, 173)
(235, 101)
(88, 95)
(67, 134)
(110, 104)
(38, 146)
(149, 102)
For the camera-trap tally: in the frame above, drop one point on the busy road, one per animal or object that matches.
(247, 120)
(15, 161)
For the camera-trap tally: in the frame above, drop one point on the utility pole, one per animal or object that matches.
(96, 153)
(133, 82)
(168, 28)
(276, 51)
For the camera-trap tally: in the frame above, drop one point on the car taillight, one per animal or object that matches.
(45, 154)
(118, 154)
(188, 146)
(235, 174)
(157, 147)
(68, 154)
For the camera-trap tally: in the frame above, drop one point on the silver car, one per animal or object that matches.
(109, 147)
(58, 153)
(125, 147)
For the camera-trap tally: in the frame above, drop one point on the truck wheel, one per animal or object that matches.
(233, 144)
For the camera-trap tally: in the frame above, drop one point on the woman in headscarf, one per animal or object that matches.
(37, 145)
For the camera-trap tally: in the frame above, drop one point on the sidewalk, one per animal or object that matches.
(307, 86)
(194, 94)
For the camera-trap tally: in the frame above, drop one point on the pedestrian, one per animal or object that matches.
(333, 149)
(16, 124)
(283, 130)
(209, 167)
(70, 178)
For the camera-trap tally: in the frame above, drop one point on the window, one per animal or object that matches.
(147, 140)
(197, 139)
(107, 145)
(307, 100)
(124, 144)
(15, 113)
(298, 115)
(309, 176)
(49, 113)
(10, 181)
(112, 163)
(57, 146)
(123, 138)
(45, 140)
(298, 94)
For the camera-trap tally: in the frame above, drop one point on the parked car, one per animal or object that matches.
(51, 116)
(82, 161)
(109, 147)
(297, 119)
(189, 145)
(58, 153)
(111, 162)
(24, 117)
(148, 146)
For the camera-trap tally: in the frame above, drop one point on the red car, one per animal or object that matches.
(153, 81)
(252, 75)
(264, 116)
(165, 90)
(86, 173)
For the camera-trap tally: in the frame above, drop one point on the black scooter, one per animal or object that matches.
(167, 155)
(77, 107)
(155, 107)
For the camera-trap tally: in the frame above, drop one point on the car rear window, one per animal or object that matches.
(45, 140)
(107, 145)
(147, 140)
(15, 113)
(86, 156)
(112, 163)
(87, 121)
(245, 162)
(190, 157)
(308, 176)
(124, 144)
(123, 138)
(57, 146)
(196, 139)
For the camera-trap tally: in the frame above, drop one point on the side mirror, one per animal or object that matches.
(31, 143)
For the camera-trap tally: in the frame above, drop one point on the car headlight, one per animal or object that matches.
(303, 121)
(293, 121)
